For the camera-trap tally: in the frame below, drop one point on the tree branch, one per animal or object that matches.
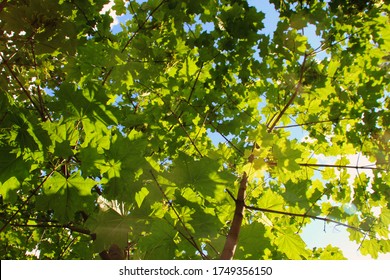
(132, 37)
(310, 123)
(272, 123)
(232, 237)
(303, 216)
(2, 5)
(26, 92)
(226, 139)
(178, 121)
(296, 215)
(70, 227)
(196, 80)
(34, 192)
(185, 131)
(340, 166)
(142, 25)
(357, 167)
(40, 98)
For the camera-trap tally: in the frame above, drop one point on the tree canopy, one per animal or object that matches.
(191, 133)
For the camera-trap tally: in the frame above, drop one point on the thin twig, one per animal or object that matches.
(216, 128)
(196, 80)
(310, 123)
(190, 238)
(47, 225)
(34, 192)
(26, 92)
(67, 247)
(312, 205)
(271, 125)
(323, 46)
(226, 139)
(177, 119)
(132, 37)
(340, 166)
(40, 99)
(185, 131)
(142, 25)
(313, 165)
(295, 214)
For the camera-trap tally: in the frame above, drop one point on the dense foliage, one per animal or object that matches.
(192, 133)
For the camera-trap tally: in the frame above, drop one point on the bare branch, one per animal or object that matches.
(311, 123)
(296, 215)
(340, 166)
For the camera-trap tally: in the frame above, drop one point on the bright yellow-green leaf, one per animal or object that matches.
(292, 245)
(385, 216)
(8, 188)
(370, 247)
(333, 66)
(271, 200)
(140, 196)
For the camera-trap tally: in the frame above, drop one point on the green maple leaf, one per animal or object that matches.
(370, 247)
(203, 175)
(252, 243)
(159, 242)
(292, 245)
(13, 171)
(271, 200)
(110, 227)
(66, 196)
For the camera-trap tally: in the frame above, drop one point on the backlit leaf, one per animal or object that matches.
(292, 245)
